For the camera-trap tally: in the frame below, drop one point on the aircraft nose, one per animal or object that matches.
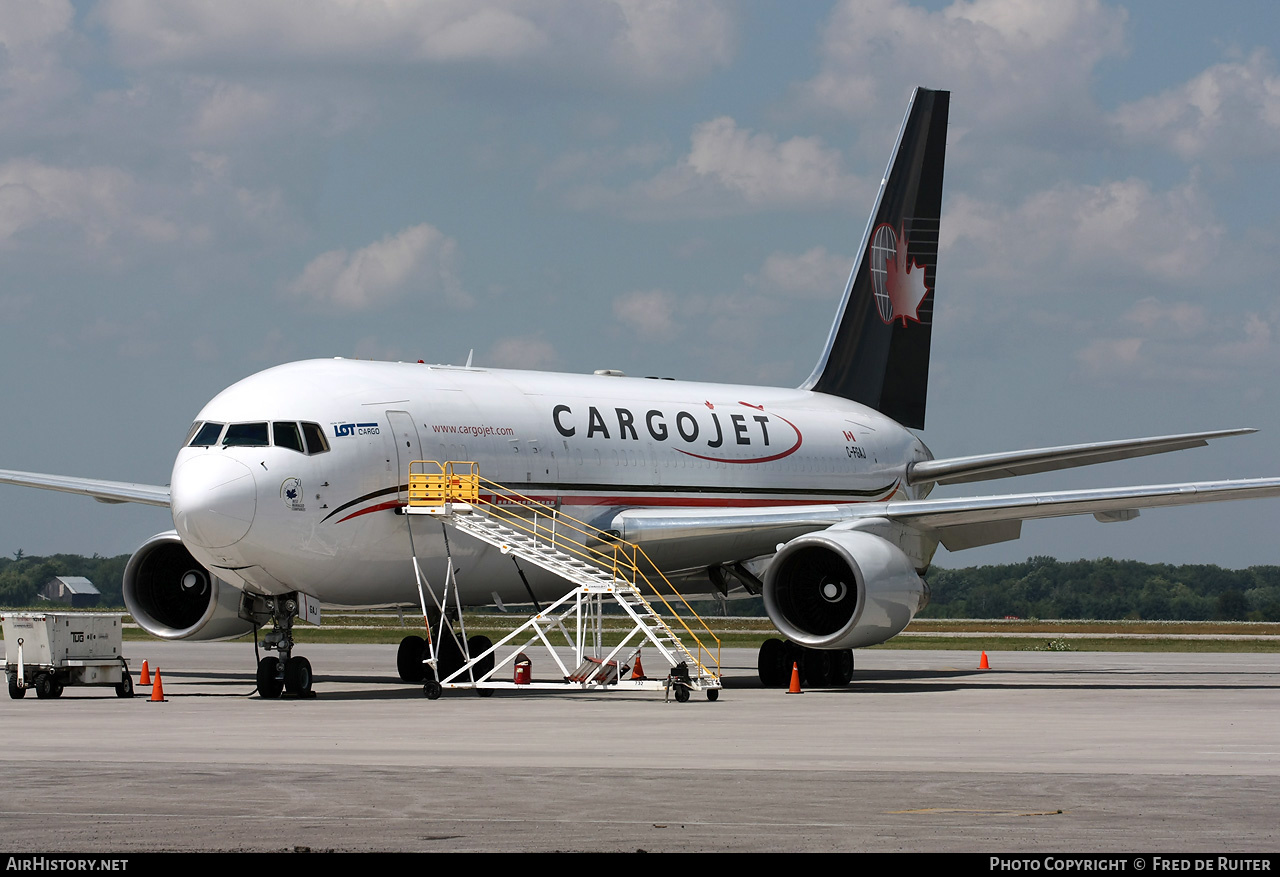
(213, 500)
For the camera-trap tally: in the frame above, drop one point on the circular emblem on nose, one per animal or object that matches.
(291, 495)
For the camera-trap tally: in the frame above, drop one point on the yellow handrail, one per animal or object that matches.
(434, 485)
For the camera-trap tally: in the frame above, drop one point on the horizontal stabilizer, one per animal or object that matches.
(987, 467)
(103, 491)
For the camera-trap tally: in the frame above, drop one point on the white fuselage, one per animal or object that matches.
(592, 445)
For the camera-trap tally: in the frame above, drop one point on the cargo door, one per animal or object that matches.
(404, 435)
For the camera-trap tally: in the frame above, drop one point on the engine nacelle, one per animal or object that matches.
(172, 596)
(842, 589)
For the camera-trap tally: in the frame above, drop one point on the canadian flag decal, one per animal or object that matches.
(898, 281)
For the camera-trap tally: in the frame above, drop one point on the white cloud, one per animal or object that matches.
(595, 163)
(231, 111)
(729, 169)
(671, 41)
(524, 352)
(100, 202)
(651, 313)
(764, 171)
(418, 260)
(32, 35)
(1176, 318)
(1116, 229)
(641, 41)
(1229, 111)
(814, 274)
(1107, 356)
(1176, 343)
(1014, 59)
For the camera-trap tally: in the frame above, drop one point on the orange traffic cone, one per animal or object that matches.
(145, 678)
(983, 665)
(795, 679)
(157, 690)
(637, 672)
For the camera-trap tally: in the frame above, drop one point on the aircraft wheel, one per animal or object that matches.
(125, 688)
(772, 664)
(816, 669)
(476, 645)
(14, 691)
(44, 685)
(269, 685)
(682, 694)
(713, 694)
(297, 675)
(409, 659)
(842, 667)
(449, 657)
(431, 689)
(794, 656)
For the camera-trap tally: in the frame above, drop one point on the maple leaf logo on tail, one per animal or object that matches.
(898, 283)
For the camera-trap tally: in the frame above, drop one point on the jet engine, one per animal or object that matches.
(172, 596)
(842, 589)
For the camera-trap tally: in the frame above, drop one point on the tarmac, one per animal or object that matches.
(1047, 751)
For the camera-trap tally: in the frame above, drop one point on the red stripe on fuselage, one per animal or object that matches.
(648, 501)
(395, 503)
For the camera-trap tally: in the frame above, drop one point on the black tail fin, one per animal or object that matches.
(878, 351)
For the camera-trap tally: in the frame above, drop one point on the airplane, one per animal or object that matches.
(287, 488)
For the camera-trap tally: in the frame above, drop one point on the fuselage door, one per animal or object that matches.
(404, 435)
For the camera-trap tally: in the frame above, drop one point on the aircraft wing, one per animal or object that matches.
(102, 491)
(985, 467)
(963, 522)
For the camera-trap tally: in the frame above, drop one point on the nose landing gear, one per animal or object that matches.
(289, 673)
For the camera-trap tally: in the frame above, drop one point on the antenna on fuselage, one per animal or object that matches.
(470, 353)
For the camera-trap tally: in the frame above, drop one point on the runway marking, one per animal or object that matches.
(964, 810)
(483, 820)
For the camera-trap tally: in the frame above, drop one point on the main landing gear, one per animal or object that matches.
(819, 668)
(411, 662)
(288, 673)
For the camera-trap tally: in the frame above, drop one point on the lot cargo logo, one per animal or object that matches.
(897, 280)
(747, 433)
(344, 429)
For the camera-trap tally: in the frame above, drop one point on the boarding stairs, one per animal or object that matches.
(601, 568)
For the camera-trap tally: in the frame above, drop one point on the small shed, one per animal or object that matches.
(76, 591)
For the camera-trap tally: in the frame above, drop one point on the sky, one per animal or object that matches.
(195, 190)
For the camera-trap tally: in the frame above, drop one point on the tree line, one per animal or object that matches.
(1040, 587)
(22, 576)
(1043, 587)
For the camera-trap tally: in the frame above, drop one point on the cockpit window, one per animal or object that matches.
(246, 435)
(315, 438)
(287, 436)
(206, 436)
(191, 433)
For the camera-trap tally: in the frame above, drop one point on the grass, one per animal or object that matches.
(996, 635)
(997, 643)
